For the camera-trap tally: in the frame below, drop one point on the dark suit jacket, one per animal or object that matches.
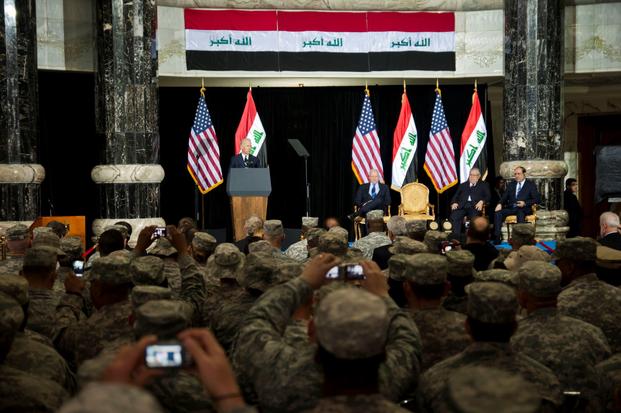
(612, 241)
(479, 192)
(366, 203)
(237, 161)
(529, 194)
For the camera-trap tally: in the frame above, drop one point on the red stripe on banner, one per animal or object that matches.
(402, 125)
(211, 156)
(435, 163)
(410, 22)
(246, 121)
(196, 172)
(292, 21)
(364, 153)
(249, 20)
(200, 162)
(370, 148)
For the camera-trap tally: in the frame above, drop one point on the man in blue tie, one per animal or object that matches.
(518, 199)
(370, 196)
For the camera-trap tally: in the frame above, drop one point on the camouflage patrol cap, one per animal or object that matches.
(144, 293)
(539, 279)
(273, 228)
(72, 245)
(162, 247)
(100, 397)
(314, 233)
(165, 318)
(376, 214)
(48, 239)
(460, 263)
(525, 254)
(416, 226)
(352, 324)
(203, 241)
(341, 231)
(327, 289)
(226, 261)
(259, 272)
(39, 230)
(148, 270)
(40, 256)
(261, 246)
(15, 286)
(405, 245)
(121, 228)
(523, 233)
(17, 232)
(491, 302)
(333, 242)
(397, 266)
(288, 270)
(434, 239)
(310, 222)
(11, 318)
(497, 275)
(577, 249)
(479, 389)
(112, 269)
(426, 269)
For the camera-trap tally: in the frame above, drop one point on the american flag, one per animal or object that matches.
(203, 151)
(440, 156)
(365, 154)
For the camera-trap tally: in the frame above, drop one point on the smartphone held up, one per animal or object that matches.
(167, 355)
(346, 272)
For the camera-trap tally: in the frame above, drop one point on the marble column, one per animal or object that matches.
(20, 175)
(127, 114)
(533, 100)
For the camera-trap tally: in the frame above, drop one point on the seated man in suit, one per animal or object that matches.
(244, 159)
(609, 230)
(374, 195)
(469, 200)
(520, 196)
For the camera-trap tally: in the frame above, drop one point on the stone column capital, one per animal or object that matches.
(535, 168)
(128, 174)
(21, 173)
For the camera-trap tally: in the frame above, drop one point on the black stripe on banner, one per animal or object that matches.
(321, 61)
(254, 61)
(381, 61)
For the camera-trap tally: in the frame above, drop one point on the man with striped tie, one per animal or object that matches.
(370, 196)
(245, 159)
(520, 196)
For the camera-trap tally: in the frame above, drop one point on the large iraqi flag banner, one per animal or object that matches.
(274, 40)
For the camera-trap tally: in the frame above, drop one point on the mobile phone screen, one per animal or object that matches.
(163, 356)
(78, 267)
(159, 232)
(333, 273)
(354, 272)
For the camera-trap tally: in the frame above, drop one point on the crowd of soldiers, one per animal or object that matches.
(426, 328)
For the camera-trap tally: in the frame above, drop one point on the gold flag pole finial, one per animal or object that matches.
(475, 90)
(366, 88)
(403, 85)
(202, 86)
(438, 87)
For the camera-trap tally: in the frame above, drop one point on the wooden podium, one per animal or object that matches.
(248, 189)
(76, 224)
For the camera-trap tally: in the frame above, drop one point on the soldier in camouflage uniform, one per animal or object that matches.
(274, 233)
(18, 241)
(312, 239)
(376, 236)
(460, 274)
(521, 234)
(286, 377)
(401, 246)
(20, 391)
(202, 246)
(610, 371)
(569, 347)
(506, 277)
(333, 242)
(443, 332)
(585, 296)
(299, 250)
(434, 239)
(491, 314)
(416, 229)
(72, 247)
(526, 253)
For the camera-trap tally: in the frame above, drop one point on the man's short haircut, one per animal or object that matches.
(499, 333)
(253, 224)
(189, 220)
(476, 233)
(520, 168)
(475, 169)
(109, 241)
(397, 225)
(569, 181)
(610, 219)
(126, 225)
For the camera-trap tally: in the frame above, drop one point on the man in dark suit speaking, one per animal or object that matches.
(245, 159)
(374, 195)
(469, 200)
(520, 196)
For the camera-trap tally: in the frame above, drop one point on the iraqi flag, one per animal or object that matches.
(250, 127)
(473, 140)
(405, 142)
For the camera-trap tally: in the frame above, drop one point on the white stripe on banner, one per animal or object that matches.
(314, 41)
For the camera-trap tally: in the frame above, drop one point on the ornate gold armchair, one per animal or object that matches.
(415, 203)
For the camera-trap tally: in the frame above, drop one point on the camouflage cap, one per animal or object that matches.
(17, 232)
(608, 257)
(416, 226)
(72, 245)
(144, 293)
(121, 228)
(226, 261)
(328, 288)
(525, 254)
(314, 233)
(11, 318)
(426, 269)
(148, 270)
(39, 230)
(101, 397)
(333, 243)
(259, 272)
(577, 249)
(405, 245)
(491, 302)
(288, 270)
(165, 318)
(376, 214)
(539, 279)
(112, 269)
(273, 228)
(341, 231)
(497, 275)
(352, 324)
(460, 263)
(523, 232)
(40, 256)
(397, 266)
(261, 246)
(162, 247)
(48, 239)
(204, 242)
(479, 389)
(310, 222)
(434, 239)
(15, 286)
